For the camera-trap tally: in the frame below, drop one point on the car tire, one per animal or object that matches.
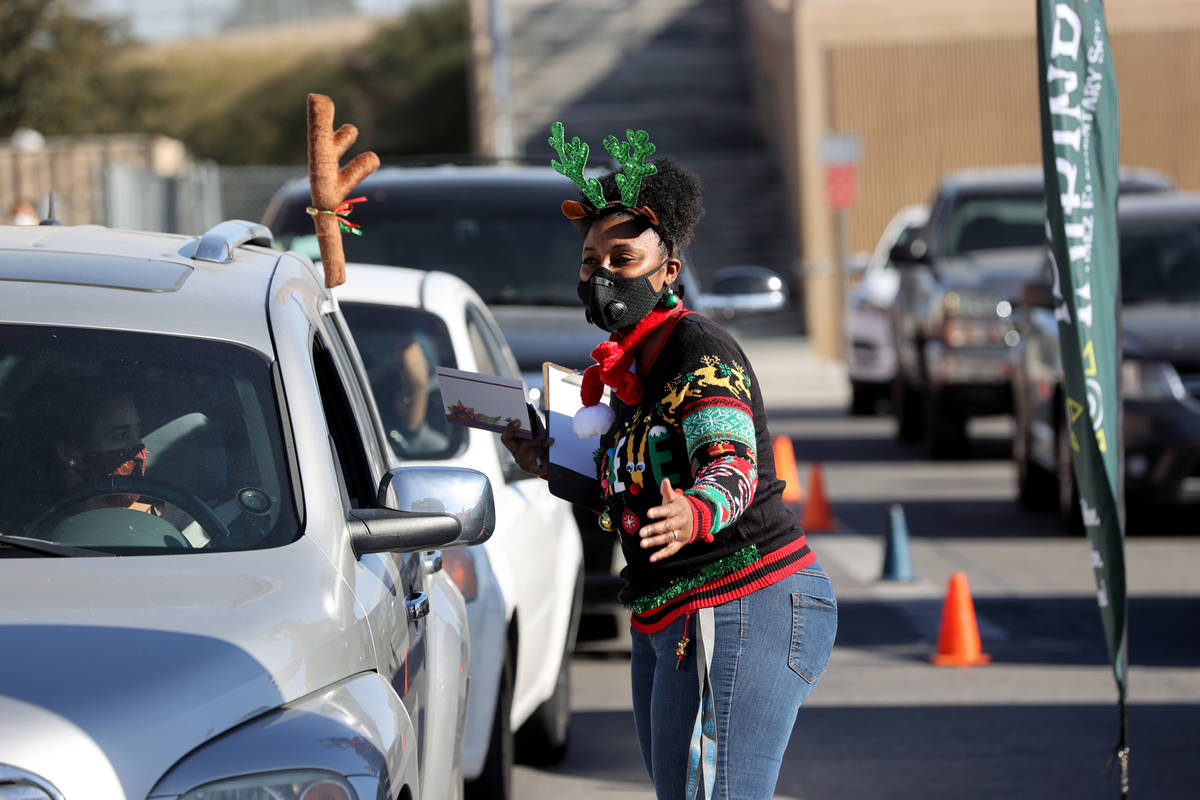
(863, 397)
(543, 739)
(495, 781)
(945, 429)
(1068, 492)
(908, 409)
(1037, 487)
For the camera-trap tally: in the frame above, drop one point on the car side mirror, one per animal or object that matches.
(426, 508)
(1037, 294)
(856, 265)
(908, 253)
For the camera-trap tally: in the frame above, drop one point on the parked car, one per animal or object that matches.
(984, 238)
(867, 327)
(499, 229)
(274, 623)
(524, 587)
(746, 290)
(1160, 329)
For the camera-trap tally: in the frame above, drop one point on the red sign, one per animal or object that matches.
(841, 186)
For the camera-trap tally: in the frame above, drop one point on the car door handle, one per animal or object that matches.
(418, 606)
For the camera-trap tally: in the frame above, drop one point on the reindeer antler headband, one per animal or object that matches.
(330, 185)
(631, 155)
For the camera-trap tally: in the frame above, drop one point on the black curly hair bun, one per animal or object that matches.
(674, 193)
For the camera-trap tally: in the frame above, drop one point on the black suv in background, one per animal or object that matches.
(1160, 373)
(959, 274)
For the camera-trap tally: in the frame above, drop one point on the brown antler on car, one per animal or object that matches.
(330, 185)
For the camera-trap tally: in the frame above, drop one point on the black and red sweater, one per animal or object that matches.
(701, 423)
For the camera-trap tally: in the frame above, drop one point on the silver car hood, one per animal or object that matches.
(995, 273)
(115, 668)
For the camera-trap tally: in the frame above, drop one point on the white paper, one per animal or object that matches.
(478, 400)
(561, 388)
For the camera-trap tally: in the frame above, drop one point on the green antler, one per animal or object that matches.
(631, 155)
(574, 155)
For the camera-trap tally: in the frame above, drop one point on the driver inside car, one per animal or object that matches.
(109, 444)
(77, 432)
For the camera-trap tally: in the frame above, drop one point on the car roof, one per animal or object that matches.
(97, 277)
(1029, 178)
(1176, 205)
(439, 292)
(450, 176)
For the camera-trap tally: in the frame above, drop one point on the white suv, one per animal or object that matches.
(214, 580)
(524, 587)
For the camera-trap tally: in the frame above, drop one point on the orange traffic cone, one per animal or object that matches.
(958, 639)
(817, 515)
(785, 470)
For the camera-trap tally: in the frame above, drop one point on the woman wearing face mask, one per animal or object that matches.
(733, 619)
(80, 432)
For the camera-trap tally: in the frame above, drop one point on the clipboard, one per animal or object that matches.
(572, 467)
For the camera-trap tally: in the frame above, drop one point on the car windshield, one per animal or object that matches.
(400, 348)
(135, 443)
(995, 223)
(511, 247)
(1160, 262)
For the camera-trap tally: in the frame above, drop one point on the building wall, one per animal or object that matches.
(934, 85)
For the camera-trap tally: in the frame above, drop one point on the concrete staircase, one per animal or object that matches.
(681, 70)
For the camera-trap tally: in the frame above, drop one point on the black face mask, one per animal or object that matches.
(613, 303)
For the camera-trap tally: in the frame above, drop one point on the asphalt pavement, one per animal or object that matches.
(1040, 721)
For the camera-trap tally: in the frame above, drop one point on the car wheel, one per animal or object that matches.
(862, 398)
(542, 740)
(908, 409)
(495, 781)
(1037, 487)
(945, 429)
(1068, 491)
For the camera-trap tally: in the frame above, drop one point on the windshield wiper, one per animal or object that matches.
(47, 548)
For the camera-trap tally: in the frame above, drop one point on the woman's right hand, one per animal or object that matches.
(531, 455)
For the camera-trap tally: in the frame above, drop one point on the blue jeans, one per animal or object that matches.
(771, 648)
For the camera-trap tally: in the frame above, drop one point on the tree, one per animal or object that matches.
(409, 87)
(57, 72)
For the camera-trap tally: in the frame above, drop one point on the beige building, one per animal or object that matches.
(929, 86)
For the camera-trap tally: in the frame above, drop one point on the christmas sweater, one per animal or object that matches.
(701, 423)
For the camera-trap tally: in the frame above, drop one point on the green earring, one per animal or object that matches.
(670, 299)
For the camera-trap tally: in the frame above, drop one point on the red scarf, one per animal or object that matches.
(614, 358)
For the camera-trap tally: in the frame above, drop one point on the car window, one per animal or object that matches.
(493, 341)
(995, 224)
(494, 358)
(400, 347)
(140, 443)
(353, 464)
(1159, 262)
(501, 238)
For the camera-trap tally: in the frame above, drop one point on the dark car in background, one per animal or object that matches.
(984, 238)
(1160, 374)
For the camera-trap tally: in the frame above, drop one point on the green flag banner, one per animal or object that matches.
(1078, 101)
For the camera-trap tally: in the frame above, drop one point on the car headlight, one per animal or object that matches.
(307, 784)
(974, 331)
(1150, 380)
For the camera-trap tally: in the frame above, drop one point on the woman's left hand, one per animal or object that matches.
(674, 528)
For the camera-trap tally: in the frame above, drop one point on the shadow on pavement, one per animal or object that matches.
(975, 752)
(1163, 631)
(984, 752)
(939, 519)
